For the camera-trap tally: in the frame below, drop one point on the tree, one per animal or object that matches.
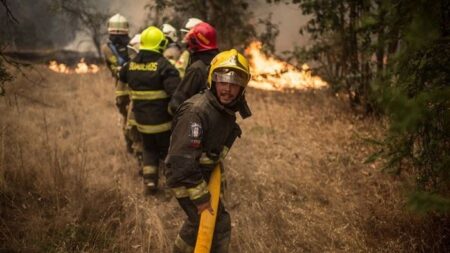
(417, 100)
(5, 76)
(393, 57)
(233, 24)
(89, 18)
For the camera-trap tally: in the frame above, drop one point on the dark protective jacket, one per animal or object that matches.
(152, 81)
(203, 132)
(194, 79)
(115, 53)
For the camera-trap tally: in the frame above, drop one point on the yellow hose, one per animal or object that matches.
(208, 220)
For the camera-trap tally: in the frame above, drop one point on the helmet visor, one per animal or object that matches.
(226, 75)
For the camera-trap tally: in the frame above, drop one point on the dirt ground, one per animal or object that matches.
(297, 181)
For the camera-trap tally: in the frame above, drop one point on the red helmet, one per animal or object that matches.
(201, 37)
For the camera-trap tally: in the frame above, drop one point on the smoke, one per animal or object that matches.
(40, 27)
(135, 12)
(289, 19)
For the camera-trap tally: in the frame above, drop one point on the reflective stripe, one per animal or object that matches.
(132, 122)
(148, 95)
(180, 192)
(154, 129)
(182, 246)
(149, 170)
(198, 191)
(121, 93)
(205, 160)
(224, 152)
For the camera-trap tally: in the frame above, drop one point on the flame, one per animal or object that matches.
(82, 68)
(269, 73)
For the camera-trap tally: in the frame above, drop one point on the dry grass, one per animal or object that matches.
(296, 179)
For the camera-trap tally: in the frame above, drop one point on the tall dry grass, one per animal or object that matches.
(296, 178)
(67, 184)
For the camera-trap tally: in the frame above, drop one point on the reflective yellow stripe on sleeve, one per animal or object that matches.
(121, 93)
(205, 160)
(180, 192)
(198, 191)
(132, 122)
(148, 95)
(154, 129)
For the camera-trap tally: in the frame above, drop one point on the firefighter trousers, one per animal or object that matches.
(155, 149)
(187, 236)
(122, 104)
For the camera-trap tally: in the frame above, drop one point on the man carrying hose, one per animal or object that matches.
(204, 129)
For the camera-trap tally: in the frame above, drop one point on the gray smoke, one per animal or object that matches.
(37, 28)
(289, 19)
(40, 27)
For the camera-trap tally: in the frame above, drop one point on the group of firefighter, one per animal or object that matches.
(179, 100)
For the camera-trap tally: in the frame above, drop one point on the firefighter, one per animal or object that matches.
(202, 44)
(204, 129)
(152, 81)
(115, 53)
(133, 45)
(131, 127)
(183, 60)
(173, 50)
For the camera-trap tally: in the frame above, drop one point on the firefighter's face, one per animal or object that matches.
(227, 92)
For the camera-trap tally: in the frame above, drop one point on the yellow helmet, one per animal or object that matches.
(231, 67)
(118, 24)
(153, 39)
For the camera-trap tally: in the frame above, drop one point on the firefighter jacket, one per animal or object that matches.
(203, 132)
(115, 53)
(172, 53)
(194, 79)
(182, 62)
(152, 81)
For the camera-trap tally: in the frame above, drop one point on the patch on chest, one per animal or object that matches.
(195, 134)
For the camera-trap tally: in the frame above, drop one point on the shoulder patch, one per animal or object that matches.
(195, 134)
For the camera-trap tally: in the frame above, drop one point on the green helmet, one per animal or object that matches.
(118, 24)
(153, 39)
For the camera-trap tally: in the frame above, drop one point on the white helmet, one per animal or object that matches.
(136, 40)
(118, 24)
(190, 24)
(170, 32)
(134, 43)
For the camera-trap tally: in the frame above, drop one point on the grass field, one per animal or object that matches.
(297, 181)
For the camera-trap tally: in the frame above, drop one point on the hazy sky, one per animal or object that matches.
(288, 17)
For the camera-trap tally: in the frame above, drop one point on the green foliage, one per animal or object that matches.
(417, 102)
(423, 201)
(232, 19)
(392, 57)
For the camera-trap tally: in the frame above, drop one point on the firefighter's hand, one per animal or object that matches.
(205, 206)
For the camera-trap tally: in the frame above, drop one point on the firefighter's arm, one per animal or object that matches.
(171, 78)
(123, 73)
(183, 173)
